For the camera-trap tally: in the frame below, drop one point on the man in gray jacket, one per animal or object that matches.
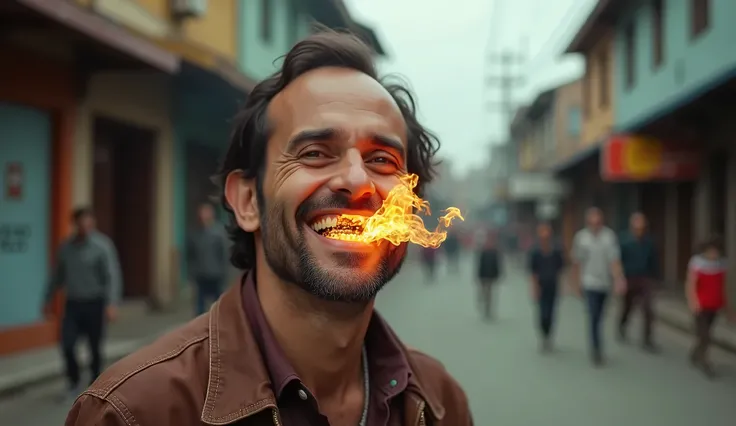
(207, 258)
(87, 267)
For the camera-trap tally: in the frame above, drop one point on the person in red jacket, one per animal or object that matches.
(706, 295)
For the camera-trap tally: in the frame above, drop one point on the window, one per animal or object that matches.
(630, 46)
(699, 16)
(603, 78)
(266, 20)
(587, 93)
(574, 121)
(657, 32)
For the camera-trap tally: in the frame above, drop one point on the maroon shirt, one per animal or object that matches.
(388, 370)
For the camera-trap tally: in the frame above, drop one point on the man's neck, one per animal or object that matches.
(322, 340)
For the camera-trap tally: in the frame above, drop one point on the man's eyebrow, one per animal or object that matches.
(330, 133)
(389, 142)
(310, 135)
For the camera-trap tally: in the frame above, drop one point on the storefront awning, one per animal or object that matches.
(98, 29)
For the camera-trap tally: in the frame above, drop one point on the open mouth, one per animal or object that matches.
(339, 227)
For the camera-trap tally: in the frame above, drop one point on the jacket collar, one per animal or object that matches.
(239, 384)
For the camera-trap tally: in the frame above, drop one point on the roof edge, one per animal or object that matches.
(580, 42)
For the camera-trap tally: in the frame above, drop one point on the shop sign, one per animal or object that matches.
(13, 181)
(635, 158)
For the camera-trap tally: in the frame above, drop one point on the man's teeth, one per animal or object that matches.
(327, 222)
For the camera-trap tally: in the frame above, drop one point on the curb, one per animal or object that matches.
(11, 384)
(687, 327)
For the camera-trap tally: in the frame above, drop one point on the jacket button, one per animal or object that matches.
(303, 395)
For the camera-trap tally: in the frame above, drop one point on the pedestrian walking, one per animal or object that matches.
(640, 263)
(706, 296)
(489, 271)
(296, 341)
(87, 268)
(452, 252)
(596, 271)
(207, 258)
(429, 261)
(546, 261)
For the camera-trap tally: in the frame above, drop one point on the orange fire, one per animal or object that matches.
(395, 220)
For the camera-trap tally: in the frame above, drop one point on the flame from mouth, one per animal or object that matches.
(395, 221)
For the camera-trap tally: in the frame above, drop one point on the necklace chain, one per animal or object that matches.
(367, 389)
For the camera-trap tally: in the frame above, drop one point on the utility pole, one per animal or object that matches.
(506, 81)
(504, 78)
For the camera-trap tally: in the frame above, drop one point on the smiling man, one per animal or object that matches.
(296, 341)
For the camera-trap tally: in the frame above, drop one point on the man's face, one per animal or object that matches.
(544, 232)
(595, 218)
(85, 224)
(638, 224)
(206, 214)
(338, 146)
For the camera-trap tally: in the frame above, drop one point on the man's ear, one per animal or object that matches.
(240, 194)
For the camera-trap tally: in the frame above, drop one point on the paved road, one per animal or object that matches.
(508, 381)
(511, 384)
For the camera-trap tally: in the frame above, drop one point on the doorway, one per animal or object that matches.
(653, 202)
(123, 198)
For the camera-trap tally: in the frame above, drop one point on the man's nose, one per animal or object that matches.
(353, 178)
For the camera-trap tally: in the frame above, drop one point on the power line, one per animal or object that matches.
(508, 79)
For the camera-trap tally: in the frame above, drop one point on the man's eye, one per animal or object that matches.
(383, 160)
(313, 154)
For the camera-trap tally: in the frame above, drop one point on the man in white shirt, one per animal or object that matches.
(597, 269)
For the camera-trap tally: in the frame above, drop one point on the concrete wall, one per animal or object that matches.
(140, 99)
(689, 66)
(257, 55)
(599, 117)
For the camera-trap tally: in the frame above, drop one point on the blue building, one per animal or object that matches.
(674, 73)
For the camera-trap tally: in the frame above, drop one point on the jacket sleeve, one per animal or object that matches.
(89, 410)
(113, 271)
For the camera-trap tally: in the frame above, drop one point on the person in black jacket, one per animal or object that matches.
(546, 262)
(640, 263)
(489, 270)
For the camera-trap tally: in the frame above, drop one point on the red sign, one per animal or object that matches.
(634, 158)
(13, 181)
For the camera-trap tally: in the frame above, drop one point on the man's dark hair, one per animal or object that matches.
(81, 212)
(251, 129)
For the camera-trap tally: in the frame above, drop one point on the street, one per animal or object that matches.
(508, 381)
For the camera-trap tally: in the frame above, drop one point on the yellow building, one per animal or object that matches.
(598, 91)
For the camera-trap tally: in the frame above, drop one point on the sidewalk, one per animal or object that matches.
(135, 327)
(675, 313)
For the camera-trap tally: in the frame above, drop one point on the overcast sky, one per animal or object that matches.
(440, 48)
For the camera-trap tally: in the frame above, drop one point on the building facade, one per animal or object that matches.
(42, 116)
(668, 150)
(545, 133)
(124, 106)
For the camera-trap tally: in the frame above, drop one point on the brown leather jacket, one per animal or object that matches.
(210, 372)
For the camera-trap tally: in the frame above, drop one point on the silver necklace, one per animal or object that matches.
(367, 389)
